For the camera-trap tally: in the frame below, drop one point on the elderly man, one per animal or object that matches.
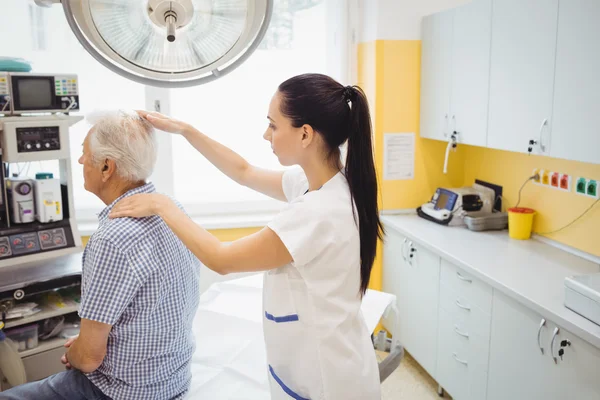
(140, 287)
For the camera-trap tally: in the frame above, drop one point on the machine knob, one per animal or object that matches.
(38, 145)
(47, 145)
(58, 240)
(17, 242)
(28, 146)
(19, 294)
(30, 245)
(3, 250)
(45, 237)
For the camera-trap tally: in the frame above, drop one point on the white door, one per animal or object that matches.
(579, 368)
(576, 127)
(424, 287)
(517, 367)
(471, 71)
(522, 73)
(436, 69)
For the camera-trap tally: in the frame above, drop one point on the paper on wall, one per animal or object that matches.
(398, 156)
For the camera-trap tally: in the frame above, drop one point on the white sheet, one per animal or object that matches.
(230, 359)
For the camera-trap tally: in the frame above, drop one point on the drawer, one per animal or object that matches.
(462, 364)
(465, 315)
(42, 365)
(473, 290)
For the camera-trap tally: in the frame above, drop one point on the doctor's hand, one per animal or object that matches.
(165, 123)
(139, 205)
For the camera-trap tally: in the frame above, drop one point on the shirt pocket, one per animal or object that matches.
(278, 303)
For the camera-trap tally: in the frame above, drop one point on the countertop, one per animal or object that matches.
(529, 271)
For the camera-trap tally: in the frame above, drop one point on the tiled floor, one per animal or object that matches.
(409, 382)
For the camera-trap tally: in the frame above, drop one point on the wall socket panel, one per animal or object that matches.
(587, 187)
(554, 180)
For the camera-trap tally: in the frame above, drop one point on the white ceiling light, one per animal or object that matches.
(169, 43)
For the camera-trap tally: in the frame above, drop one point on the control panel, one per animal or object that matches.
(52, 239)
(24, 243)
(38, 139)
(32, 242)
(5, 249)
(66, 85)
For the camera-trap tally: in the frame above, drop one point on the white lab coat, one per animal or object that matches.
(318, 346)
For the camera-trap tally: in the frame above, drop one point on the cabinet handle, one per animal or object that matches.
(410, 251)
(465, 335)
(541, 142)
(458, 303)
(404, 248)
(542, 324)
(463, 362)
(554, 335)
(462, 278)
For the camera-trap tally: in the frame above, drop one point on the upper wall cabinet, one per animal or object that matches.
(455, 73)
(522, 74)
(471, 71)
(436, 75)
(576, 127)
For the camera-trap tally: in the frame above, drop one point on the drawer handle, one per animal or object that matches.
(463, 362)
(462, 278)
(542, 324)
(466, 335)
(404, 248)
(458, 303)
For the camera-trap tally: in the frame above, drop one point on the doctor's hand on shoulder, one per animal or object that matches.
(140, 205)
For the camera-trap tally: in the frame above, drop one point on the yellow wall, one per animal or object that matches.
(389, 72)
(555, 208)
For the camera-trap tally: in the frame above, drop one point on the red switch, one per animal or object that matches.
(555, 179)
(564, 182)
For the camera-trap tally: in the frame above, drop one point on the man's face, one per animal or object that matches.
(92, 173)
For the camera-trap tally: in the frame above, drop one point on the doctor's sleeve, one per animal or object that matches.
(305, 234)
(111, 286)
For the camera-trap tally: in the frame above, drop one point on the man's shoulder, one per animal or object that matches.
(125, 233)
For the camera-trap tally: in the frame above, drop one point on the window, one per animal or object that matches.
(233, 109)
(304, 36)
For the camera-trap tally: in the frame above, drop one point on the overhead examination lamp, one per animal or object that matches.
(168, 43)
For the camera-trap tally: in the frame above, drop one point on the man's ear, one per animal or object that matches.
(308, 134)
(108, 169)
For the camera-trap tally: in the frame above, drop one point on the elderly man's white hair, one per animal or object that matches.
(127, 139)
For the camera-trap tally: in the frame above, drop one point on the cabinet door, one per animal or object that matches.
(518, 369)
(522, 73)
(436, 69)
(576, 128)
(423, 305)
(471, 71)
(579, 368)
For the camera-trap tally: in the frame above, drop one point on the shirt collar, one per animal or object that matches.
(147, 188)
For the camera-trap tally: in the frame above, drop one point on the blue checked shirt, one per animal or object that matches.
(141, 279)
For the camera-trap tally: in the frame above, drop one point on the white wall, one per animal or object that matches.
(398, 19)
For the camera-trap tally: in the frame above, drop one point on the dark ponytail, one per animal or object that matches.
(341, 114)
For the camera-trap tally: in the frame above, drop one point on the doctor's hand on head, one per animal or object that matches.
(164, 123)
(139, 205)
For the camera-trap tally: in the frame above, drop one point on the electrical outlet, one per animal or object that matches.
(539, 176)
(555, 179)
(565, 182)
(592, 188)
(581, 186)
(545, 177)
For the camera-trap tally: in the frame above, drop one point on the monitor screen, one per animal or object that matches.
(34, 93)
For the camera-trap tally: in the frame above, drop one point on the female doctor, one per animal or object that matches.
(318, 252)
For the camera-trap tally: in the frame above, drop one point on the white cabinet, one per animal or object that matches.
(436, 74)
(469, 94)
(522, 356)
(412, 273)
(523, 56)
(455, 73)
(463, 334)
(576, 128)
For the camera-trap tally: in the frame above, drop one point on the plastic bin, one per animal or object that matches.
(520, 222)
(26, 337)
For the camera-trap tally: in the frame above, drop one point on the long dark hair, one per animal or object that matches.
(339, 114)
